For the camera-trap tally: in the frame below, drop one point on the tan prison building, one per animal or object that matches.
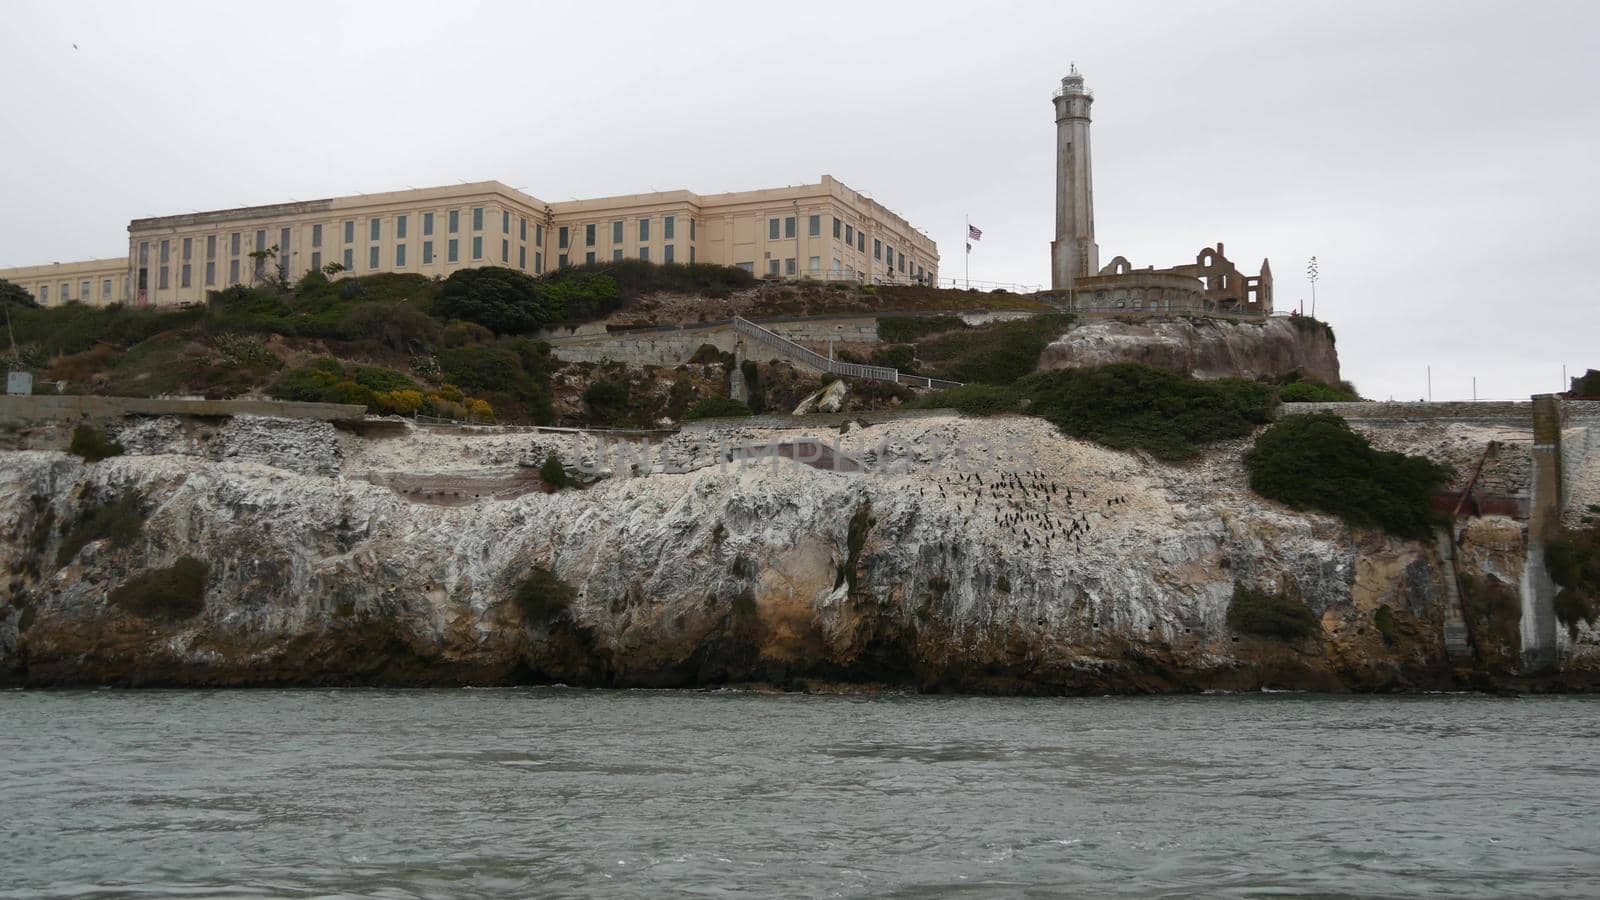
(823, 230)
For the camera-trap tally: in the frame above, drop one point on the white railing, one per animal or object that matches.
(817, 361)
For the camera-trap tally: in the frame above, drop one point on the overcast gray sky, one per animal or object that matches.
(1440, 159)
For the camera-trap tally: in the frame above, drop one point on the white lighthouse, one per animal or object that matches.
(1073, 254)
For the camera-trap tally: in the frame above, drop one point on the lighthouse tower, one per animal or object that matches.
(1073, 254)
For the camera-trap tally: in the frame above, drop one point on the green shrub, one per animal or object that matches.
(1128, 406)
(972, 399)
(503, 373)
(119, 521)
(1587, 387)
(174, 593)
(553, 473)
(503, 300)
(1270, 615)
(993, 354)
(1572, 558)
(543, 598)
(607, 399)
(635, 278)
(709, 355)
(715, 408)
(14, 294)
(92, 445)
(1314, 392)
(908, 329)
(1317, 461)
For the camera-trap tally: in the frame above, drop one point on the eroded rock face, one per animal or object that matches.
(1206, 348)
(935, 570)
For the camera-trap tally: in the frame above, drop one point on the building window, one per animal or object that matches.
(105, 288)
(452, 251)
(144, 253)
(589, 257)
(211, 246)
(185, 279)
(616, 255)
(538, 262)
(477, 218)
(505, 251)
(877, 249)
(522, 258)
(562, 237)
(349, 262)
(44, 294)
(455, 221)
(838, 227)
(837, 266)
(644, 254)
(691, 229)
(814, 226)
(316, 264)
(427, 252)
(788, 227)
(666, 228)
(814, 265)
(644, 232)
(538, 237)
(233, 244)
(772, 231)
(888, 256)
(166, 252)
(849, 235)
(561, 261)
(788, 266)
(400, 228)
(85, 293)
(691, 249)
(233, 271)
(372, 257)
(162, 285)
(505, 221)
(477, 246)
(188, 249)
(772, 266)
(588, 235)
(399, 254)
(902, 262)
(316, 236)
(668, 254)
(427, 224)
(747, 266)
(376, 229)
(522, 230)
(350, 231)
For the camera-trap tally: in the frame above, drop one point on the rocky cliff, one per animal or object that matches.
(974, 555)
(1206, 348)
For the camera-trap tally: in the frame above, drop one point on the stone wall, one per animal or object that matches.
(48, 407)
(1519, 411)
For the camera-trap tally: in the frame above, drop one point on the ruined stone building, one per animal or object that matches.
(1212, 283)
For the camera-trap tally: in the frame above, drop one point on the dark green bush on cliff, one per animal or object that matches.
(1318, 462)
(715, 408)
(120, 521)
(908, 329)
(634, 277)
(1270, 615)
(972, 399)
(992, 354)
(543, 597)
(1128, 406)
(1573, 560)
(92, 445)
(553, 473)
(1588, 386)
(1315, 392)
(174, 593)
(503, 300)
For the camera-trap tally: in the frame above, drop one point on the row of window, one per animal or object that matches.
(669, 232)
(85, 291)
(842, 230)
(669, 255)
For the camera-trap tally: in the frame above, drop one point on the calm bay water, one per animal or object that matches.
(556, 792)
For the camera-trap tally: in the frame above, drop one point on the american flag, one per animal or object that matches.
(973, 233)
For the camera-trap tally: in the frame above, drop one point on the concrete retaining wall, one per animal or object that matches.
(51, 407)
(1520, 411)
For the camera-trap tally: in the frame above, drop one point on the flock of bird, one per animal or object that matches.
(1038, 510)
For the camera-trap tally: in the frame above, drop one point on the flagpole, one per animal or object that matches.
(966, 237)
